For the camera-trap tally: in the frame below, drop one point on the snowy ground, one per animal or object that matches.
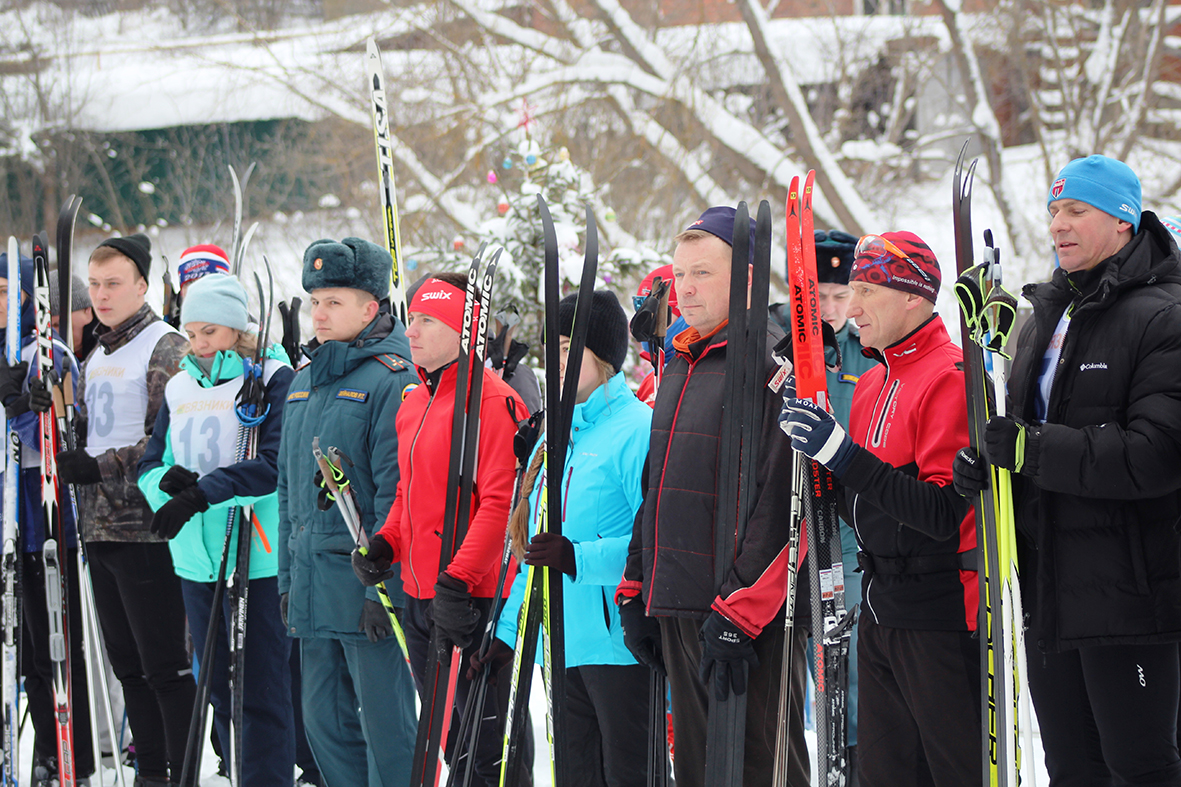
(1033, 774)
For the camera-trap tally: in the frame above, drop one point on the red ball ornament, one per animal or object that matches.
(457, 244)
(502, 207)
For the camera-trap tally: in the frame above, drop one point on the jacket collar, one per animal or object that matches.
(916, 344)
(601, 403)
(332, 360)
(113, 338)
(691, 344)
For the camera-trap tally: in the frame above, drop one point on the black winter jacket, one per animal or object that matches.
(1098, 514)
(671, 554)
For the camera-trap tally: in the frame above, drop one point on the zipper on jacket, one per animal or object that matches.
(408, 556)
(857, 498)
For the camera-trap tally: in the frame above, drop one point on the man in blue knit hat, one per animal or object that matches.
(1093, 438)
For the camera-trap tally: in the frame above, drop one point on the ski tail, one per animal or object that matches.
(11, 554)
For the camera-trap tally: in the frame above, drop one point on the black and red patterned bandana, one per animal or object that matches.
(898, 260)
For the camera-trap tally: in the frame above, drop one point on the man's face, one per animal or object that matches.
(1085, 236)
(339, 314)
(117, 290)
(79, 319)
(701, 272)
(433, 343)
(882, 315)
(834, 303)
(4, 301)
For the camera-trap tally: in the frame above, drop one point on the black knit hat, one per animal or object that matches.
(137, 248)
(606, 332)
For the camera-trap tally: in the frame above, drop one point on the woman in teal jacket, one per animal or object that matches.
(607, 691)
(191, 479)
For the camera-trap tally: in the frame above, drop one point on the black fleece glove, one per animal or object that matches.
(374, 567)
(498, 657)
(969, 472)
(455, 618)
(37, 398)
(551, 550)
(177, 478)
(176, 513)
(641, 635)
(375, 621)
(1012, 444)
(12, 379)
(78, 467)
(725, 652)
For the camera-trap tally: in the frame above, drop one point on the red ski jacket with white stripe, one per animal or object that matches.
(671, 554)
(414, 526)
(918, 536)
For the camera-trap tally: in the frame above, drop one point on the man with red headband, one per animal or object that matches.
(455, 602)
(919, 663)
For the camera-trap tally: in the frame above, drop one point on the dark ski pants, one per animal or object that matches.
(268, 737)
(304, 760)
(358, 710)
(142, 614)
(919, 711)
(38, 669)
(690, 704)
(1108, 714)
(609, 717)
(418, 627)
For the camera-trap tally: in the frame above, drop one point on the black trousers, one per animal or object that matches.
(609, 716)
(690, 704)
(418, 625)
(37, 667)
(919, 711)
(142, 613)
(1108, 714)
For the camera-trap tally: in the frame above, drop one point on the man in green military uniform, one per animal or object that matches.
(834, 261)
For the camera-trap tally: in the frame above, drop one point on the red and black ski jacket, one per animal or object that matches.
(918, 537)
(414, 525)
(671, 554)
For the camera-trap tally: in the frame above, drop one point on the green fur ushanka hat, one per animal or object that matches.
(351, 262)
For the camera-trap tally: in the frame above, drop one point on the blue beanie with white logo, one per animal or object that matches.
(217, 298)
(1102, 182)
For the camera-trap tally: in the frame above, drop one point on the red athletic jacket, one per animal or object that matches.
(414, 526)
(910, 417)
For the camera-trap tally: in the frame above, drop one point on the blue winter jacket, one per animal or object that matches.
(601, 495)
(348, 394)
(196, 550)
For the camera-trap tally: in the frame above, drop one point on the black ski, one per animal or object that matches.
(742, 415)
(445, 658)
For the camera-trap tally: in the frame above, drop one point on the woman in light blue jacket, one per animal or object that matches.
(607, 691)
(191, 479)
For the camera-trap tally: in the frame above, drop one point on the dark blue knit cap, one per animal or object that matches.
(719, 222)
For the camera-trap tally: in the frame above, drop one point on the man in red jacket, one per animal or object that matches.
(456, 601)
(919, 710)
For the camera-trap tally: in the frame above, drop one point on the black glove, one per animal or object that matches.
(725, 652)
(969, 472)
(455, 618)
(78, 467)
(283, 607)
(177, 478)
(526, 437)
(552, 550)
(375, 621)
(174, 514)
(40, 399)
(1012, 444)
(641, 635)
(498, 657)
(12, 379)
(373, 568)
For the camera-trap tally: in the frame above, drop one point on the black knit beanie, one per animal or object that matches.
(137, 248)
(606, 333)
